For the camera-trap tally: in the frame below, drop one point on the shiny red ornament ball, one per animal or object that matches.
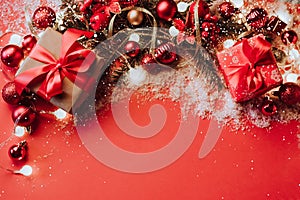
(132, 49)
(203, 9)
(28, 43)
(12, 55)
(149, 64)
(99, 21)
(10, 94)
(166, 53)
(289, 37)
(23, 116)
(43, 17)
(226, 10)
(268, 108)
(18, 152)
(166, 9)
(289, 93)
(257, 18)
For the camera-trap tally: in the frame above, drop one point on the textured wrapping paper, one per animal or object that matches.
(249, 68)
(72, 94)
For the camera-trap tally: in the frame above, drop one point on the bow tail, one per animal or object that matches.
(254, 81)
(52, 85)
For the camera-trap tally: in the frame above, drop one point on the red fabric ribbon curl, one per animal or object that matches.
(72, 63)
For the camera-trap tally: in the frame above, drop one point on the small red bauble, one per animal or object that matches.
(23, 116)
(149, 64)
(257, 18)
(289, 37)
(10, 94)
(99, 21)
(132, 49)
(28, 43)
(268, 107)
(18, 152)
(289, 93)
(43, 17)
(226, 10)
(203, 8)
(166, 9)
(166, 53)
(11, 55)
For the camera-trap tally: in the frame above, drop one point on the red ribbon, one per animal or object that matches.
(251, 54)
(72, 63)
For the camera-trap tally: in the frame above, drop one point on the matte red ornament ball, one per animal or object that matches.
(226, 9)
(23, 116)
(257, 18)
(43, 17)
(18, 152)
(10, 94)
(28, 43)
(289, 93)
(132, 49)
(166, 9)
(289, 37)
(12, 55)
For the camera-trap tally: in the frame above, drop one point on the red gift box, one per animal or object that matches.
(249, 68)
(59, 69)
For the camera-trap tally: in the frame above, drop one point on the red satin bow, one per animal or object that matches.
(72, 63)
(252, 54)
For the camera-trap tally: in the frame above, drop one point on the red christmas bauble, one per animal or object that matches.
(203, 9)
(23, 116)
(166, 9)
(10, 94)
(132, 49)
(289, 37)
(28, 43)
(226, 9)
(43, 17)
(18, 152)
(149, 64)
(166, 53)
(289, 93)
(11, 55)
(99, 21)
(268, 108)
(257, 18)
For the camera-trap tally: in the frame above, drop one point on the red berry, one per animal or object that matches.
(205, 34)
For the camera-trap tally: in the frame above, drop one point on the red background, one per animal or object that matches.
(251, 164)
